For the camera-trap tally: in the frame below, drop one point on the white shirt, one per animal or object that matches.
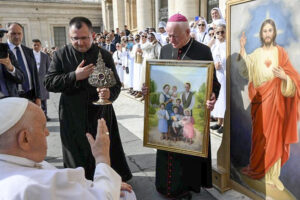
(37, 56)
(12, 48)
(21, 178)
(186, 96)
(163, 39)
(117, 56)
(202, 37)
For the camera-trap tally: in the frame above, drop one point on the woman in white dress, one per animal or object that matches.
(217, 15)
(219, 55)
(138, 59)
(202, 34)
(117, 56)
(151, 50)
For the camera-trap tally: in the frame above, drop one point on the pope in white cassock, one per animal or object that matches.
(24, 174)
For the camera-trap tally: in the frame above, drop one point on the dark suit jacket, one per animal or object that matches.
(28, 52)
(112, 47)
(117, 39)
(44, 66)
(12, 80)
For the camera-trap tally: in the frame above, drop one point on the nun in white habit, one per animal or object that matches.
(219, 55)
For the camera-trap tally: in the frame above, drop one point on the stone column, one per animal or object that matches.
(203, 10)
(171, 7)
(119, 13)
(133, 15)
(104, 14)
(110, 22)
(157, 12)
(188, 8)
(144, 14)
(128, 14)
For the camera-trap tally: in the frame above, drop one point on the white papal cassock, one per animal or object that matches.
(21, 178)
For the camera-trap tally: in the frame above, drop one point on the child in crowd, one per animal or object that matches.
(179, 106)
(188, 126)
(163, 118)
(176, 124)
(174, 94)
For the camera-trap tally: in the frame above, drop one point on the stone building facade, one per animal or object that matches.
(140, 14)
(48, 20)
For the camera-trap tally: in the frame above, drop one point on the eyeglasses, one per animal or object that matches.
(211, 34)
(75, 39)
(143, 36)
(220, 32)
(201, 24)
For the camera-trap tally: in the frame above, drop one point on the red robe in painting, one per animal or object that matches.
(274, 121)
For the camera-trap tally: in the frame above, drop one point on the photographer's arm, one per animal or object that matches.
(12, 70)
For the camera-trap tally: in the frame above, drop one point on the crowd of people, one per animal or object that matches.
(130, 52)
(27, 73)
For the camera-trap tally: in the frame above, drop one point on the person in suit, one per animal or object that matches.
(110, 47)
(10, 74)
(26, 61)
(42, 63)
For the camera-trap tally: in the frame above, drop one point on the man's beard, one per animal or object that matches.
(268, 43)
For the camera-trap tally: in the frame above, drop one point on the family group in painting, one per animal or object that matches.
(175, 120)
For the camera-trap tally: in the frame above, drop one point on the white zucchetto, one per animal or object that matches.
(11, 111)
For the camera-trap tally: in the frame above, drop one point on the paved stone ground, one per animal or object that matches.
(130, 115)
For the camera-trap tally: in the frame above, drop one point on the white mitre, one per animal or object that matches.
(11, 111)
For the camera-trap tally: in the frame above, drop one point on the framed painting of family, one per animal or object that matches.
(263, 67)
(176, 117)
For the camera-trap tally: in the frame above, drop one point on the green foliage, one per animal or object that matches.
(154, 98)
(199, 108)
(152, 110)
(153, 119)
(153, 86)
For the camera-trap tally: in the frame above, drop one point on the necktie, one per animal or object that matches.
(25, 83)
(3, 87)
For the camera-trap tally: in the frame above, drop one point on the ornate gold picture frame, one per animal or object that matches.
(176, 117)
(247, 19)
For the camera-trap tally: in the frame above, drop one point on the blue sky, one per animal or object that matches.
(178, 75)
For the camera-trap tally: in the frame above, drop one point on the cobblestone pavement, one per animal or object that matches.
(130, 115)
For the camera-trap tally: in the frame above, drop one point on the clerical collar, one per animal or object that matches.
(19, 161)
(183, 51)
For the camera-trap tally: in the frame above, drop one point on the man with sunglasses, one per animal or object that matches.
(68, 74)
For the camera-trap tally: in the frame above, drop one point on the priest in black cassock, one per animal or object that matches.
(178, 174)
(68, 74)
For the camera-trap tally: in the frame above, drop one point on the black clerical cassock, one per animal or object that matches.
(177, 174)
(78, 115)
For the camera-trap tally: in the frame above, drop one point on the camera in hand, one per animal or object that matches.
(3, 50)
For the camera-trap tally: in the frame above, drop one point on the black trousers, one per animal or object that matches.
(44, 106)
(28, 95)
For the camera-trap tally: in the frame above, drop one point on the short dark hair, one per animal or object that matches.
(14, 23)
(78, 21)
(36, 40)
(189, 84)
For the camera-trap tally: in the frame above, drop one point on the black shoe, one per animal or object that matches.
(212, 119)
(187, 196)
(48, 118)
(215, 127)
(220, 130)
